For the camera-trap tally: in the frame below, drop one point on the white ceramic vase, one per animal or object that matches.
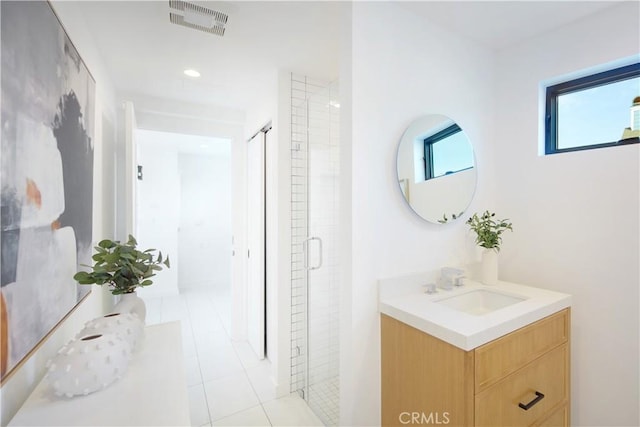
(127, 325)
(87, 364)
(489, 267)
(131, 303)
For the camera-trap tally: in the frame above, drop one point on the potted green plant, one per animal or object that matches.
(489, 231)
(123, 268)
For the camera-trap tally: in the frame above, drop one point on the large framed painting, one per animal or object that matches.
(46, 154)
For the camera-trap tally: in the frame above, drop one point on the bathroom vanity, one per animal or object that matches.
(476, 355)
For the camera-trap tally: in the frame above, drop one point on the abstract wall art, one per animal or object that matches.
(46, 176)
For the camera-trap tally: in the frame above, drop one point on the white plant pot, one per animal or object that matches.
(489, 267)
(127, 325)
(87, 364)
(132, 303)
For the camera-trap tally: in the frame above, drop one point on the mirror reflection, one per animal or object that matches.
(436, 168)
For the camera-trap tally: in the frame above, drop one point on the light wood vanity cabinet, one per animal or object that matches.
(427, 381)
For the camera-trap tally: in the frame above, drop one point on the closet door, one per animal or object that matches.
(131, 173)
(256, 238)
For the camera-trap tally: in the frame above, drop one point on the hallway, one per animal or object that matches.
(227, 384)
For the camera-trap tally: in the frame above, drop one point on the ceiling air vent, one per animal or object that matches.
(198, 17)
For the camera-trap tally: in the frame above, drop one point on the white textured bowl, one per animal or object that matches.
(88, 363)
(128, 325)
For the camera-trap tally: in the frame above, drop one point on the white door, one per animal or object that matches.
(256, 244)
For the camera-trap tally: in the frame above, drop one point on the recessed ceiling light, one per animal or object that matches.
(192, 73)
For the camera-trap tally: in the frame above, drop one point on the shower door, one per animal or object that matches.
(320, 263)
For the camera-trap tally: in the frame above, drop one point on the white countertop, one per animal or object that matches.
(153, 391)
(409, 304)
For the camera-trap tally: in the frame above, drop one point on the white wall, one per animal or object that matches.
(167, 115)
(19, 385)
(576, 215)
(184, 209)
(403, 67)
(205, 220)
(158, 207)
(453, 193)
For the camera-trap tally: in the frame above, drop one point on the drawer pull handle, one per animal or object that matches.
(539, 397)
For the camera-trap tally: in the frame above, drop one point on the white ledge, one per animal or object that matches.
(153, 391)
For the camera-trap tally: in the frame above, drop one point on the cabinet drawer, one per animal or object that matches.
(505, 355)
(560, 418)
(498, 404)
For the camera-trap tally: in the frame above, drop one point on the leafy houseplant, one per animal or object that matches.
(122, 266)
(489, 230)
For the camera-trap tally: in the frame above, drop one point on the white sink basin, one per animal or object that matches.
(480, 301)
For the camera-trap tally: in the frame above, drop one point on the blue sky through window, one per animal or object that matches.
(452, 154)
(596, 115)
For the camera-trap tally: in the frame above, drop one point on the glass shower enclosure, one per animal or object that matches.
(314, 261)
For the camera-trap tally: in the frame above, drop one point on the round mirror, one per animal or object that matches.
(436, 168)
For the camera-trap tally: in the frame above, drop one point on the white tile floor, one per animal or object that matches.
(227, 384)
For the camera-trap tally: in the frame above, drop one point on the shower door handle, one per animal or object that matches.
(319, 253)
(305, 250)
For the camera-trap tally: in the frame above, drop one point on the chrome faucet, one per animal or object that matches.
(450, 277)
(430, 288)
